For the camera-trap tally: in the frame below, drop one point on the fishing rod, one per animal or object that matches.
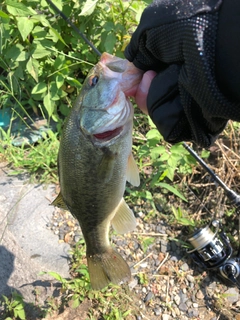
(212, 250)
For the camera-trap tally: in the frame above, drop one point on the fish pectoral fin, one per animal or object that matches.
(59, 202)
(133, 172)
(105, 169)
(124, 220)
(107, 267)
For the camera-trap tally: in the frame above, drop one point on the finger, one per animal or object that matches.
(142, 90)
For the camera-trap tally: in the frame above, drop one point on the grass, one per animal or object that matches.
(39, 160)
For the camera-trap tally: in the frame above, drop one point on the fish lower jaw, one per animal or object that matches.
(108, 135)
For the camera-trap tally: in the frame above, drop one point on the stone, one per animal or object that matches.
(165, 316)
(190, 278)
(232, 295)
(183, 307)
(157, 311)
(184, 267)
(199, 295)
(27, 246)
(177, 299)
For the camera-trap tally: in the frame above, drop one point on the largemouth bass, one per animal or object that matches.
(95, 160)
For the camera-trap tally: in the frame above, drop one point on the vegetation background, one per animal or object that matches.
(43, 63)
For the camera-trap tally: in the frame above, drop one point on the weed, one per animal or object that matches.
(39, 160)
(182, 217)
(14, 307)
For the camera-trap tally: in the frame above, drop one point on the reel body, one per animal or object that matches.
(213, 251)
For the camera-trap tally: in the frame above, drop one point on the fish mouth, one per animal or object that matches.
(108, 135)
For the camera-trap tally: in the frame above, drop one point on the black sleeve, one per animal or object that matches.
(194, 93)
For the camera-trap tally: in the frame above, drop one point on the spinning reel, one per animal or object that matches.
(212, 249)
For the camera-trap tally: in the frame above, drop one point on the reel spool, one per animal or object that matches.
(211, 249)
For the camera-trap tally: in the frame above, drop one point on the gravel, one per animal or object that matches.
(175, 287)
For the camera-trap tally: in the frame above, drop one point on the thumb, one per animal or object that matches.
(142, 90)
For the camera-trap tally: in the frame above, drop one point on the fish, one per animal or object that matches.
(94, 162)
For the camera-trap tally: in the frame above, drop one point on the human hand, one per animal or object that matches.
(140, 91)
(193, 94)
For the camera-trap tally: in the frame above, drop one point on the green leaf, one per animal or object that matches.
(40, 52)
(4, 16)
(49, 105)
(59, 81)
(25, 26)
(186, 222)
(171, 189)
(75, 303)
(88, 7)
(205, 153)
(18, 8)
(32, 68)
(157, 151)
(58, 36)
(110, 41)
(153, 134)
(17, 53)
(56, 276)
(73, 82)
(41, 87)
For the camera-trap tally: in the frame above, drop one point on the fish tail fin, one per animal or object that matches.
(107, 267)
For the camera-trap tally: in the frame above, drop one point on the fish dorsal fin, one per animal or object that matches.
(133, 172)
(59, 202)
(124, 220)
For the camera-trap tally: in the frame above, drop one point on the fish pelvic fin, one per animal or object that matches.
(124, 220)
(59, 202)
(107, 267)
(133, 172)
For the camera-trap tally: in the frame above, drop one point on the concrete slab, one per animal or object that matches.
(26, 245)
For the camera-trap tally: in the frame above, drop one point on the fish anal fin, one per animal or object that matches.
(59, 202)
(133, 172)
(124, 220)
(107, 267)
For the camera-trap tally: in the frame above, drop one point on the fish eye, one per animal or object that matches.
(93, 81)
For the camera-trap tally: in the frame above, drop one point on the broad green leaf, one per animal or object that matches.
(40, 52)
(32, 68)
(59, 80)
(53, 91)
(21, 314)
(41, 87)
(17, 53)
(49, 105)
(4, 15)
(110, 41)
(56, 276)
(73, 82)
(153, 134)
(58, 36)
(25, 26)
(58, 4)
(205, 154)
(19, 9)
(75, 303)
(171, 189)
(157, 151)
(23, 56)
(88, 7)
